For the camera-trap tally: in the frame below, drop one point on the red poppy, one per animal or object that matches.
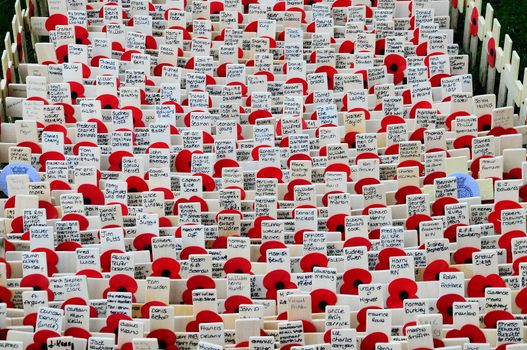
(77, 332)
(357, 242)
(370, 341)
(269, 245)
(432, 270)
(361, 317)
(445, 306)
(51, 259)
(112, 323)
(165, 267)
(116, 160)
(396, 65)
(55, 20)
(121, 283)
(337, 223)
(145, 309)
(194, 199)
(478, 283)
(464, 255)
(90, 273)
(521, 300)
(474, 17)
(438, 207)
(50, 155)
(516, 264)
(385, 255)
(205, 316)
(403, 192)
(352, 279)
(492, 317)
(412, 223)
(256, 230)
(108, 101)
(474, 333)
(270, 172)
(312, 260)
(191, 250)
(277, 280)
(76, 91)
(106, 259)
(197, 282)
(40, 339)
(207, 182)
(450, 232)
(237, 265)
(144, 241)
(136, 184)
(232, 303)
(79, 301)
(166, 339)
(320, 298)
(505, 241)
(401, 289)
(91, 194)
(5, 296)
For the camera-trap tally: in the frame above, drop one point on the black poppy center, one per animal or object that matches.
(36, 288)
(450, 310)
(404, 295)
(486, 127)
(78, 41)
(44, 346)
(133, 189)
(237, 310)
(357, 283)
(122, 289)
(65, 58)
(147, 247)
(239, 271)
(279, 285)
(394, 67)
(108, 106)
(166, 273)
(87, 201)
(474, 21)
(74, 95)
(437, 276)
(340, 228)
(162, 344)
(492, 52)
(484, 288)
(468, 261)
(322, 305)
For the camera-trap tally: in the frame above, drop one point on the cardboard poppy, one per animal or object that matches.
(270, 172)
(166, 339)
(145, 308)
(312, 260)
(396, 65)
(76, 91)
(289, 195)
(478, 284)
(232, 303)
(77, 332)
(191, 250)
(450, 232)
(197, 282)
(438, 207)
(403, 192)
(237, 265)
(116, 160)
(207, 182)
(474, 333)
(50, 155)
(91, 195)
(412, 222)
(204, 316)
(256, 230)
(6, 296)
(433, 269)
(79, 301)
(90, 273)
(277, 280)
(464, 255)
(474, 15)
(370, 341)
(112, 323)
(339, 167)
(194, 199)
(136, 184)
(224, 163)
(54, 20)
(445, 306)
(264, 247)
(401, 289)
(367, 181)
(337, 223)
(106, 259)
(258, 114)
(491, 52)
(452, 116)
(384, 257)
(40, 339)
(321, 298)
(165, 267)
(51, 259)
(513, 174)
(352, 279)
(492, 317)
(37, 282)
(183, 161)
(30, 319)
(357, 242)
(299, 236)
(121, 283)
(516, 264)
(68, 246)
(144, 241)
(521, 300)
(505, 241)
(361, 317)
